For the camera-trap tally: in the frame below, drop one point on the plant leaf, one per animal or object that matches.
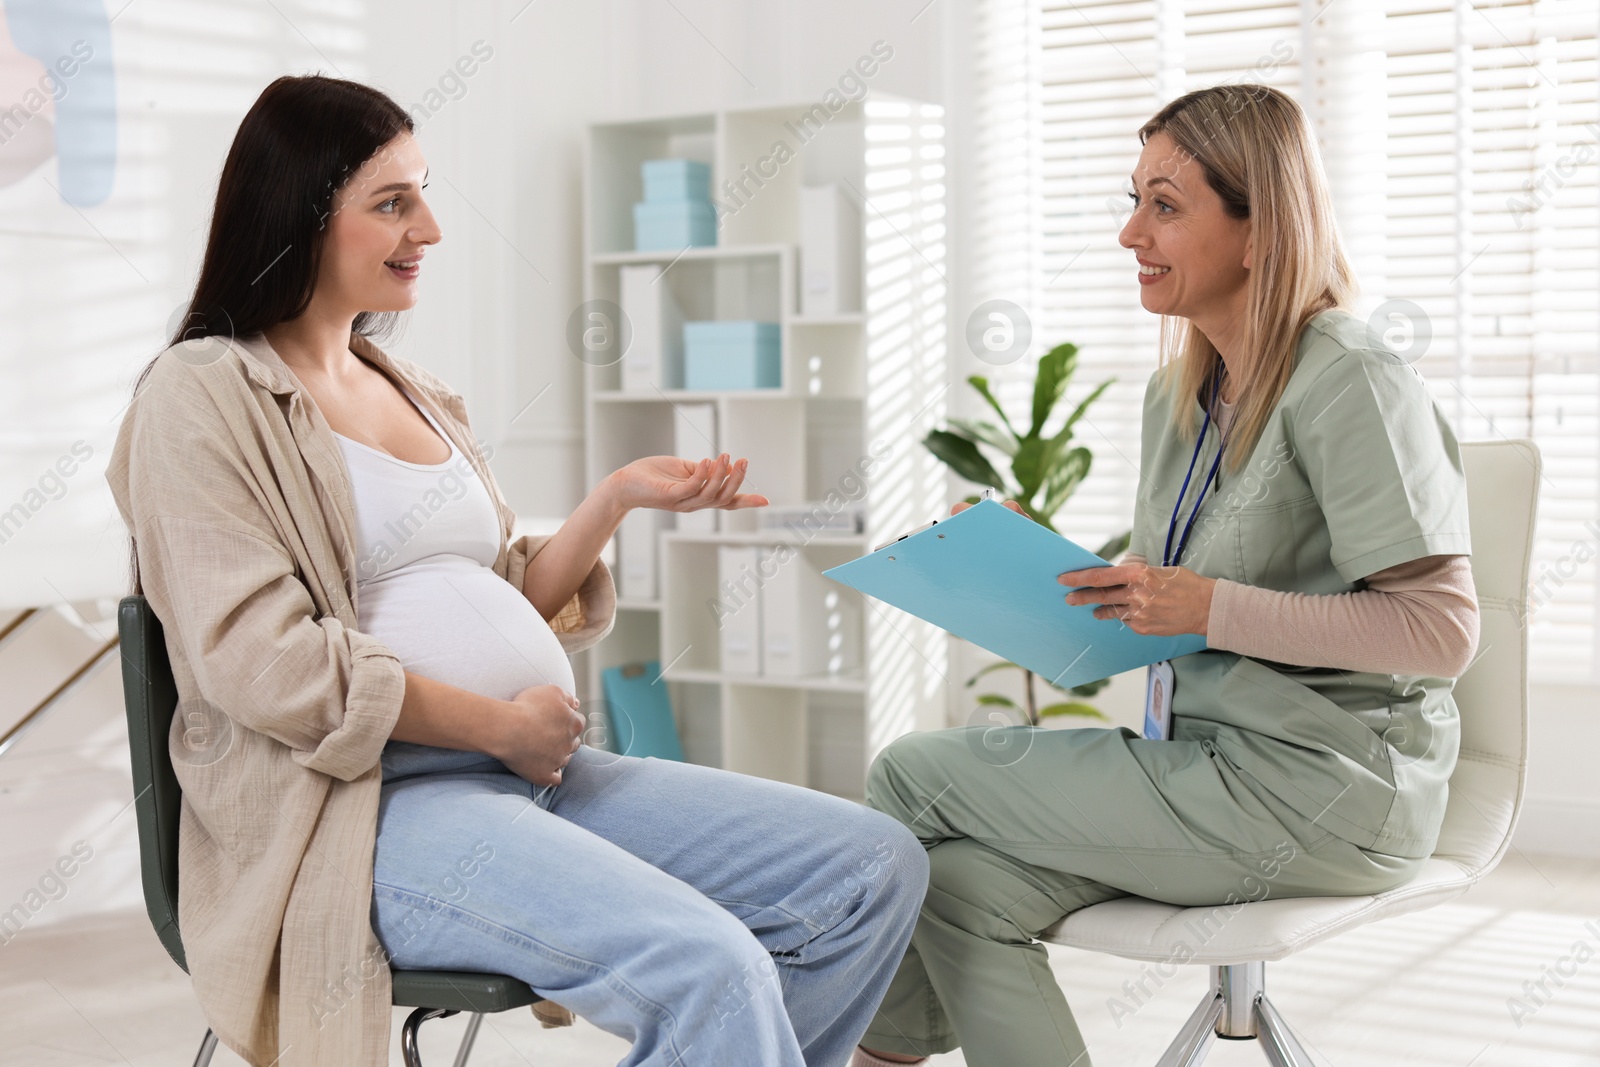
(963, 457)
(1065, 433)
(1055, 369)
(1072, 707)
(1074, 468)
(991, 668)
(1029, 465)
(1089, 689)
(981, 384)
(986, 433)
(996, 700)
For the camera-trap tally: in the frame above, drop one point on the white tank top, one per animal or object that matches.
(427, 535)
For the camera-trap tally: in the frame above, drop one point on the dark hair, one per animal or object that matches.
(299, 143)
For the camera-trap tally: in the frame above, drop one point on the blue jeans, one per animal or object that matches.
(708, 917)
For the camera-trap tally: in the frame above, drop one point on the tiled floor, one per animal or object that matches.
(1427, 990)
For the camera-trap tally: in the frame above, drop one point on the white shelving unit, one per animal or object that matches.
(855, 385)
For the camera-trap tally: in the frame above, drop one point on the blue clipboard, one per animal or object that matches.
(639, 712)
(988, 575)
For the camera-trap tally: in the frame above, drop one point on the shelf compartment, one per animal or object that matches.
(621, 435)
(826, 358)
(697, 712)
(765, 732)
(696, 608)
(616, 151)
(837, 728)
(766, 434)
(753, 285)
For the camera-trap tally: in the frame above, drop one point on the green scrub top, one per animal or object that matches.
(1357, 470)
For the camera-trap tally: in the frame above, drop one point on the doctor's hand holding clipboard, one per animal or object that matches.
(1164, 601)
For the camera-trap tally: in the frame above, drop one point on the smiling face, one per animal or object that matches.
(377, 231)
(1193, 257)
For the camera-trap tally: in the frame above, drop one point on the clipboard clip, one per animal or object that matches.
(902, 537)
(987, 494)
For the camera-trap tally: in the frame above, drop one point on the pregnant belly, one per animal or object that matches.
(454, 620)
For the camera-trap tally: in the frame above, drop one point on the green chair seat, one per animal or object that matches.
(482, 994)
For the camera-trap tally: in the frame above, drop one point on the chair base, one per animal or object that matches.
(414, 1021)
(1236, 1008)
(408, 1038)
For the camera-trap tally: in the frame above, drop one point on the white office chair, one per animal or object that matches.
(1485, 796)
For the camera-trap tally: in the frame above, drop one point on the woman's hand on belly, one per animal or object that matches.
(539, 735)
(1152, 600)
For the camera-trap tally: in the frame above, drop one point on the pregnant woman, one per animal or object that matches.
(377, 739)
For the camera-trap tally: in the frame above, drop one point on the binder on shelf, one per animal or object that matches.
(694, 437)
(739, 619)
(639, 712)
(636, 554)
(830, 251)
(807, 627)
(989, 575)
(654, 358)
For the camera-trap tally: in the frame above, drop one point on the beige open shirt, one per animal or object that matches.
(239, 501)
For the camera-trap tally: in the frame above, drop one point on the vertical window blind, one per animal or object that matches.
(1462, 143)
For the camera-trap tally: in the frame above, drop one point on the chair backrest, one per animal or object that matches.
(1492, 696)
(151, 697)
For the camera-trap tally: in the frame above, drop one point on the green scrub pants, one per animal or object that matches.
(1025, 825)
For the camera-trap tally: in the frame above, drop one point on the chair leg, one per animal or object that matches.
(408, 1032)
(208, 1046)
(1277, 1043)
(468, 1038)
(1189, 1048)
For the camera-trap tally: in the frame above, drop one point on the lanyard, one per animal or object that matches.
(1168, 557)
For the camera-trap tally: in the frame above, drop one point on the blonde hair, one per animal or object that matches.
(1258, 154)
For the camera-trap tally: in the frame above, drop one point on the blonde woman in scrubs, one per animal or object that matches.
(1301, 503)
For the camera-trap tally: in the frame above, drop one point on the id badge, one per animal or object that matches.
(1158, 701)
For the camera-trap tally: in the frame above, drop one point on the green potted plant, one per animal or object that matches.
(1044, 473)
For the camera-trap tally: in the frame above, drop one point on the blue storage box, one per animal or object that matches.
(731, 355)
(669, 180)
(669, 227)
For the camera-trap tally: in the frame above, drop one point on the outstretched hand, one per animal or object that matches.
(668, 483)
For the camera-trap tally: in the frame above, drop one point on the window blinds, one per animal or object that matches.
(1461, 142)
